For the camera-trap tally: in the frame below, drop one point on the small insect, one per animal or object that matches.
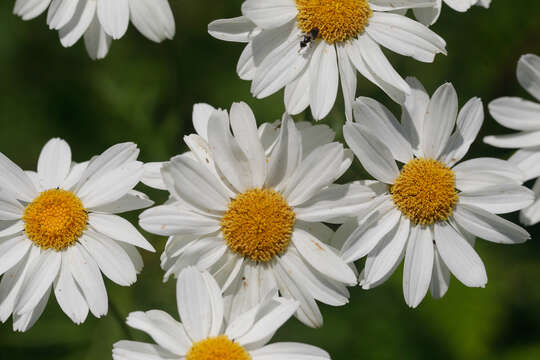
(307, 39)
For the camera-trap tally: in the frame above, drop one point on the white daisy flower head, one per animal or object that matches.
(311, 135)
(204, 333)
(253, 218)
(429, 15)
(429, 210)
(101, 21)
(60, 231)
(306, 46)
(522, 115)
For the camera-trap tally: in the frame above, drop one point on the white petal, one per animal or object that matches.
(459, 256)
(418, 265)
(390, 5)
(110, 159)
(41, 275)
(370, 230)
(322, 257)
(488, 226)
(96, 40)
(193, 183)
(236, 29)
(201, 115)
(469, 122)
(111, 186)
(133, 200)
(498, 199)
(347, 75)
(54, 163)
(374, 116)
(111, 258)
(371, 62)
(324, 76)
(10, 207)
(289, 351)
(269, 14)
(372, 153)
(12, 250)
(170, 220)
(335, 203)
(153, 18)
(12, 282)
(114, 16)
(516, 113)
(79, 23)
(134, 350)
(60, 12)
(281, 66)
(413, 114)
(194, 303)
(229, 157)
(244, 127)
(29, 9)
(286, 156)
(13, 179)
(23, 322)
(439, 121)
(315, 172)
(119, 229)
(516, 140)
(440, 279)
(152, 175)
(268, 321)
(320, 286)
(405, 36)
(386, 255)
(528, 74)
(69, 296)
(476, 174)
(88, 278)
(166, 332)
(531, 215)
(297, 93)
(308, 312)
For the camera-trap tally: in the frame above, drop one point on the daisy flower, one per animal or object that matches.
(429, 15)
(60, 232)
(253, 218)
(101, 21)
(430, 210)
(306, 46)
(523, 115)
(204, 333)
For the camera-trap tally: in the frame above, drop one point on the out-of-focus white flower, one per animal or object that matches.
(101, 21)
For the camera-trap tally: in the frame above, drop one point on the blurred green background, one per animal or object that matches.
(144, 92)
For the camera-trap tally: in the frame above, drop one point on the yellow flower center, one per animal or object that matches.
(217, 348)
(258, 224)
(425, 191)
(55, 219)
(336, 20)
